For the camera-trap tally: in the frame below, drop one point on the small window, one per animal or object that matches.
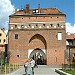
(58, 24)
(51, 25)
(0, 40)
(44, 25)
(16, 36)
(4, 40)
(0, 34)
(59, 36)
(15, 26)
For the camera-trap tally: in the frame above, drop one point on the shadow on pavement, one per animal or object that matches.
(24, 74)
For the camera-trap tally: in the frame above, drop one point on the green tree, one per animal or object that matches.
(2, 58)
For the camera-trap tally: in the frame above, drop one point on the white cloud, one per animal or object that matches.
(70, 28)
(6, 8)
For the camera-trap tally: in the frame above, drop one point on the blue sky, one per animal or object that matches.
(66, 6)
(7, 7)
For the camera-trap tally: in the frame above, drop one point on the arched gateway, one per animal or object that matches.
(39, 56)
(37, 50)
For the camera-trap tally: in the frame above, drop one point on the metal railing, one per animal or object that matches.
(8, 68)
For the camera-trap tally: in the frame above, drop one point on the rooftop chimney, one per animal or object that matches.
(27, 8)
(39, 8)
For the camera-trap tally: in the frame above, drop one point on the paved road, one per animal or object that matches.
(41, 70)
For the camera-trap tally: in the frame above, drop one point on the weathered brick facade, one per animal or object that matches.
(39, 30)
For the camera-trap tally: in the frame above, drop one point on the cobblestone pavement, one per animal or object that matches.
(41, 70)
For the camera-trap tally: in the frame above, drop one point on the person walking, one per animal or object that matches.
(26, 67)
(32, 64)
(36, 64)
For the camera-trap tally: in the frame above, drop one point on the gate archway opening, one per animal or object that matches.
(39, 56)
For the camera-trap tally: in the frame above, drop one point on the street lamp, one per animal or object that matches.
(69, 55)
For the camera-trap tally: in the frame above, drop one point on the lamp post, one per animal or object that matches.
(69, 55)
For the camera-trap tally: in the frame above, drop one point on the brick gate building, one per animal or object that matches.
(38, 33)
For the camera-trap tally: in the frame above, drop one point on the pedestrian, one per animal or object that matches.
(26, 67)
(36, 64)
(32, 64)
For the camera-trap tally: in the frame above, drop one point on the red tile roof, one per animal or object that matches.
(47, 11)
(42, 11)
(70, 36)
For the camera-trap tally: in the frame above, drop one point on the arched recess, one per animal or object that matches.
(40, 37)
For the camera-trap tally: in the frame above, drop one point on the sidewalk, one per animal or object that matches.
(41, 70)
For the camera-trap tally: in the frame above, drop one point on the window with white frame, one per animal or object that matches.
(59, 35)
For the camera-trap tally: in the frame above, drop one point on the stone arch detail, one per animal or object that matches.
(40, 37)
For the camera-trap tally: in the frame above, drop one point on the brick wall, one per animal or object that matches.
(55, 49)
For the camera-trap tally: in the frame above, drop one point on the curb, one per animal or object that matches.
(62, 72)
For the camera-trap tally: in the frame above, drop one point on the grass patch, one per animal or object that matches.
(70, 71)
